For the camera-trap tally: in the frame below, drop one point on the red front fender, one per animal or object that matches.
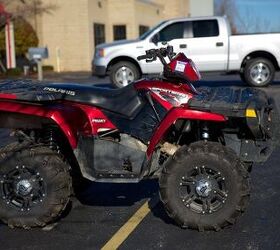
(173, 116)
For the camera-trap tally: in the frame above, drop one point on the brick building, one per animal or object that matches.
(74, 28)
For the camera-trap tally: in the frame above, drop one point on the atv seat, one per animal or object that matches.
(124, 101)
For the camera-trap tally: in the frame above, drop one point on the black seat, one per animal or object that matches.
(124, 101)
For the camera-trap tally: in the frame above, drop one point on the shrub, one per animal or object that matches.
(14, 72)
(48, 68)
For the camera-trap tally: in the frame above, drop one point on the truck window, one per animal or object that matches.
(205, 28)
(172, 31)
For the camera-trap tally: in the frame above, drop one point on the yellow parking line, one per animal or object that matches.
(120, 236)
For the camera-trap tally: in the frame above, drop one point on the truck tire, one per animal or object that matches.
(123, 73)
(259, 72)
(35, 186)
(204, 186)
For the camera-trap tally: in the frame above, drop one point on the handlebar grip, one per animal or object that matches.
(142, 57)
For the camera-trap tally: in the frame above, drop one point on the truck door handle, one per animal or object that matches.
(183, 46)
(219, 44)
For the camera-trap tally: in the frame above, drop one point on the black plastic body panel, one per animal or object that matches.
(228, 101)
(109, 161)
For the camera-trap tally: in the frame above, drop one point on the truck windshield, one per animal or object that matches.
(147, 33)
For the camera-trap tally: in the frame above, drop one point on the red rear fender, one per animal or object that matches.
(70, 119)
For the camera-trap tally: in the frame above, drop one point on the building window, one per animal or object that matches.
(99, 33)
(143, 29)
(119, 32)
(205, 28)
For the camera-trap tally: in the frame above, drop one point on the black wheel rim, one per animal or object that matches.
(23, 188)
(203, 190)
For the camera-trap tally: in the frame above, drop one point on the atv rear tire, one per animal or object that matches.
(35, 186)
(204, 186)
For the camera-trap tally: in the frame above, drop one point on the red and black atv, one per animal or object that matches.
(201, 145)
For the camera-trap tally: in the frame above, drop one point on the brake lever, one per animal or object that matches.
(152, 59)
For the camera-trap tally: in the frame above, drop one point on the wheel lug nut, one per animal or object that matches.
(183, 178)
(188, 205)
(203, 212)
(223, 178)
(16, 167)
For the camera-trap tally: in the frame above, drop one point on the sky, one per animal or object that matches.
(257, 15)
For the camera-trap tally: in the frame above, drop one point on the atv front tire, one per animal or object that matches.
(204, 186)
(35, 186)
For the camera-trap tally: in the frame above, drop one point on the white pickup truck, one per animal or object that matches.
(206, 40)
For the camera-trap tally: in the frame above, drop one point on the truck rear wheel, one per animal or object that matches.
(123, 73)
(259, 72)
(35, 187)
(204, 186)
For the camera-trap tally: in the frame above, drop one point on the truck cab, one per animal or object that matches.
(207, 40)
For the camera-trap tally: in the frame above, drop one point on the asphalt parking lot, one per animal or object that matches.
(102, 209)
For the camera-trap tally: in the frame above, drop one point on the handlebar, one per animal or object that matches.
(153, 54)
(143, 57)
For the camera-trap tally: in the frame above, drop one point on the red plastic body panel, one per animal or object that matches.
(180, 113)
(72, 119)
(166, 93)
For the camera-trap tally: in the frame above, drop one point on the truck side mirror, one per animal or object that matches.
(155, 39)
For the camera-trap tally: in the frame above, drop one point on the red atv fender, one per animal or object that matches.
(173, 116)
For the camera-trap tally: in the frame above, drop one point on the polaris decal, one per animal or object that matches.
(62, 91)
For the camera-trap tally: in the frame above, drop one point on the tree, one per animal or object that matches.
(25, 37)
(245, 23)
(20, 11)
(25, 9)
(228, 8)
